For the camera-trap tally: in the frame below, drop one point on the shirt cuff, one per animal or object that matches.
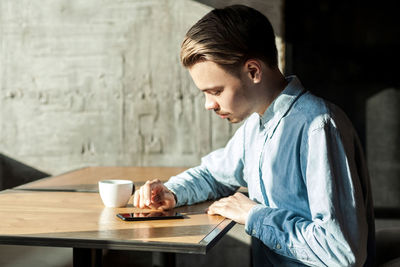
(256, 227)
(254, 220)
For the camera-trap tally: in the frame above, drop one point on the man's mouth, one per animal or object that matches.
(223, 115)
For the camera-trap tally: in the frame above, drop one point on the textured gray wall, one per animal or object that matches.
(383, 146)
(88, 82)
(99, 83)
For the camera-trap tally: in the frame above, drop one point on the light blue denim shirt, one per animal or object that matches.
(303, 163)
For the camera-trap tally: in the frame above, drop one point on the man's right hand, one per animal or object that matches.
(154, 195)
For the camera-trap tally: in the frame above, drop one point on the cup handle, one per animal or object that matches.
(133, 189)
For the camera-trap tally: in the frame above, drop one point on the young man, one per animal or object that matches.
(299, 156)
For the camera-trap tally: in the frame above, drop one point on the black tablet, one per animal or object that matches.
(152, 215)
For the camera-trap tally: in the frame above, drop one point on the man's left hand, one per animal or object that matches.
(235, 207)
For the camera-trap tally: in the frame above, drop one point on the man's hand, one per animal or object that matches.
(235, 207)
(155, 195)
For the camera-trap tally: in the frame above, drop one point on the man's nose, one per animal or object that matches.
(210, 103)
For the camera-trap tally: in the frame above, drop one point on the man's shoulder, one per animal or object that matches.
(316, 111)
(311, 105)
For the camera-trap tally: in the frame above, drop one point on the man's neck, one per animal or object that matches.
(273, 84)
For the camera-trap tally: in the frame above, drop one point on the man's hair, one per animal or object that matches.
(230, 36)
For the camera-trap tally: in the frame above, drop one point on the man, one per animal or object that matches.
(309, 194)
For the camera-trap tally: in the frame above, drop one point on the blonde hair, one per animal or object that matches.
(229, 37)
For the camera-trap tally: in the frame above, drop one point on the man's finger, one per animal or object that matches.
(147, 193)
(167, 201)
(218, 207)
(213, 210)
(142, 198)
(136, 199)
(157, 198)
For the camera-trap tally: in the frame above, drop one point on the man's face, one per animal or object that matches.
(228, 95)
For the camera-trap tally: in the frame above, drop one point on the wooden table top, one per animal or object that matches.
(79, 219)
(86, 179)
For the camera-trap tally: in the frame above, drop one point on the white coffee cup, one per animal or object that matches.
(116, 193)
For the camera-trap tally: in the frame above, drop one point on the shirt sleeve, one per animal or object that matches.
(336, 232)
(220, 174)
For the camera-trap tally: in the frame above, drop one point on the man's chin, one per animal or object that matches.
(237, 119)
(231, 118)
(234, 120)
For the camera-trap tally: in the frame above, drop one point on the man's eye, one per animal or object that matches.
(215, 93)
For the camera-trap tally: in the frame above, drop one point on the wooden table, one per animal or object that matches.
(67, 211)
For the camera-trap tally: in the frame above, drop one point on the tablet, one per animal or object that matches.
(152, 215)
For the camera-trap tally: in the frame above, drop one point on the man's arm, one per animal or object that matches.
(220, 174)
(336, 233)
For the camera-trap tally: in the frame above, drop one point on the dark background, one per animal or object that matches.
(344, 51)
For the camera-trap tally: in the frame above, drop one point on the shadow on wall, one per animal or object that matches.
(14, 173)
(383, 145)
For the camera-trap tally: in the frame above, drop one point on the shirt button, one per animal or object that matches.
(278, 246)
(253, 232)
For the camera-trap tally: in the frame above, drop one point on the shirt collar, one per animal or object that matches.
(282, 104)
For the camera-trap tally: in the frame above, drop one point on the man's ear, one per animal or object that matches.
(253, 69)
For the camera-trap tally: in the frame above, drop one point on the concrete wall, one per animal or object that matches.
(100, 83)
(89, 82)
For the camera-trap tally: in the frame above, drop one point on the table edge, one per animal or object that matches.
(189, 248)
(104, 244)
